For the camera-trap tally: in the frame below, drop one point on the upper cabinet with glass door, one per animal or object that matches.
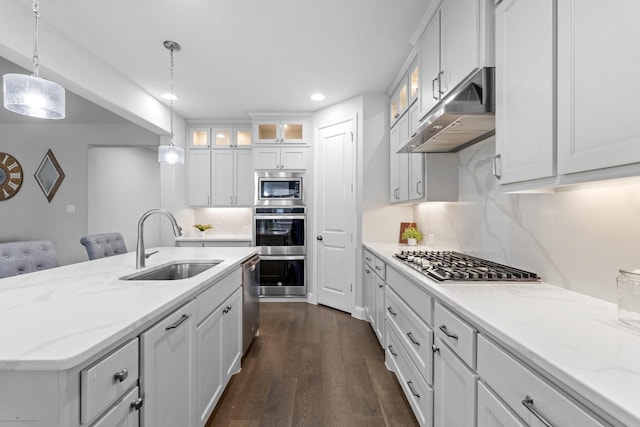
(200, 138)
(280, 131)
(405, 94)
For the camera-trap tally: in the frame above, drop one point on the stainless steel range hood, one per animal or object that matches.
(466, 115)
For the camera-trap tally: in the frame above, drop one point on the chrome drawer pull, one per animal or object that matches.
(226, 309)
(378, 268)
(121, 375)
(435, 349)
(528, 403)
(391, 311)
(410, 384)
(410, 335)
(179, 322)
(391, 351)
(443, 328)
(136, 404)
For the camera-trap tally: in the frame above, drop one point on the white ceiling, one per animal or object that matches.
(241, 56)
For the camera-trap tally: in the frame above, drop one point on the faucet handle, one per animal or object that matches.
(148, 254)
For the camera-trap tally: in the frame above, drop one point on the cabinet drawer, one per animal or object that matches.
(216, 294)
(376, 264)
(454, 331)
(102, 383)
(515, 383)
(412, 294)
(415, 335)
(417, 391)
(369, 258)
(124, 414)
(380, 268)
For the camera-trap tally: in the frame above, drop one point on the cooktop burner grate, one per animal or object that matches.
(455, 266)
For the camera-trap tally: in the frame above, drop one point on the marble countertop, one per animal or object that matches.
(217, 238)
(573, 338)
(58, 318)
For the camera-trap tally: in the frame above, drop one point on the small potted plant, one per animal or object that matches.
(412, 235)
(202, 228)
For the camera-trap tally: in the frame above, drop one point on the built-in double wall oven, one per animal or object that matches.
(280, 233)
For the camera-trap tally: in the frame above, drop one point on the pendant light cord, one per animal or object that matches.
(173, 138)
(36, 58)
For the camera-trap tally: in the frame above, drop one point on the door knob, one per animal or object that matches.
(319, 237)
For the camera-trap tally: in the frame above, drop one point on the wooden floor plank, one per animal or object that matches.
(312, 366)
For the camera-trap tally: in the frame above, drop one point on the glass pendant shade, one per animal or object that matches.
(171, 154)
(33, 96)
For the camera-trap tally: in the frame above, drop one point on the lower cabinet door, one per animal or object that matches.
(209, 364)
(454, 385)
(417, 391)
(124, 414)
(492, 412)
(232, 335)
(168, 370)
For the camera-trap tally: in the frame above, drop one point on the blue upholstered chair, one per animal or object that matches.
(25, 257)
(104, 245)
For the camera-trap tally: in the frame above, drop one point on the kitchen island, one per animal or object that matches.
(567, 344)
(58, 325)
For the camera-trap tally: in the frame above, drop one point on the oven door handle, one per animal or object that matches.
(258, 216)
(282, 257)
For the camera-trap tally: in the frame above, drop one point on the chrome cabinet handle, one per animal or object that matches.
(368, 259)
(121, 375)
(396, 116)
(391, 351)
(410, 335)
(435, 349)
(368, 271)
(444, 330)
(179, 322)
(226, 309)
(496, 158)
(378, 268)
(390, 310)
(440, 91)
(136, 404)
(410, 384)
(528, 403)
(380, 286)
(433, 88)
(418, 185)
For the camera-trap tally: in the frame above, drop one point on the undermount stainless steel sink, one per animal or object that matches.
(173, 271)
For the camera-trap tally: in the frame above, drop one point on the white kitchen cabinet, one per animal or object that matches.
(492, 412)
(207, 242)
(399, 101)
(168, 370)
(200, 137)
(231, 177)
(399, 162)
(416, 176)
(219, 349)
(454, 385)
(281, 131)
(375, 273)
(458, 40)
(527, 394)
(598, 84)
(124, 414)
(525, 95)
(290, 158)
(199, 177)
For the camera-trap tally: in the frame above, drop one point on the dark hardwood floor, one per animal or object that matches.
(312, 366)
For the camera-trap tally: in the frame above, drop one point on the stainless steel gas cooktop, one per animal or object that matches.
(455, 266)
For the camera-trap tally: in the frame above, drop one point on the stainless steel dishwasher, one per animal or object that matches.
(250, 301)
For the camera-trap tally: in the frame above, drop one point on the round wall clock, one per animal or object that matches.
(10, 176)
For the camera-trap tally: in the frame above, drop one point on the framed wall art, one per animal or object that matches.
(11, 176)
(49, 175)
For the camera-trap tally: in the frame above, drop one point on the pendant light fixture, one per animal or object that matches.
(171, 154)
(32, 95)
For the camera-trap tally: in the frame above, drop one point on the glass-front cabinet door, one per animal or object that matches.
(280, 131)
(200, 138)
(221, 138)
(414, 83)
(243, 137)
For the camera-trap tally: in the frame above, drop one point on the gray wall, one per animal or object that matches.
(28, 215)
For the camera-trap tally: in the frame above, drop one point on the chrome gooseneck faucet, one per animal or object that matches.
(141, 256)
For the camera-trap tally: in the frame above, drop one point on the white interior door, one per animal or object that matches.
(335, 258)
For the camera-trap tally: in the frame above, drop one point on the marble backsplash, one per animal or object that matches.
(225, 221)
(576, 238)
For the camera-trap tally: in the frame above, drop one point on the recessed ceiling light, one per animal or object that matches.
(169, 96)
(317, 97)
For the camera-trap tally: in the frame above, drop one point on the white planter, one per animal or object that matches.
(202, 233)
(412, 242)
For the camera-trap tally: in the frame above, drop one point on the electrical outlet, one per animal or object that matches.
(71, 208)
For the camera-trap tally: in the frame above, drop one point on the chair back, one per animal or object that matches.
(104, 245)
(25, 257)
